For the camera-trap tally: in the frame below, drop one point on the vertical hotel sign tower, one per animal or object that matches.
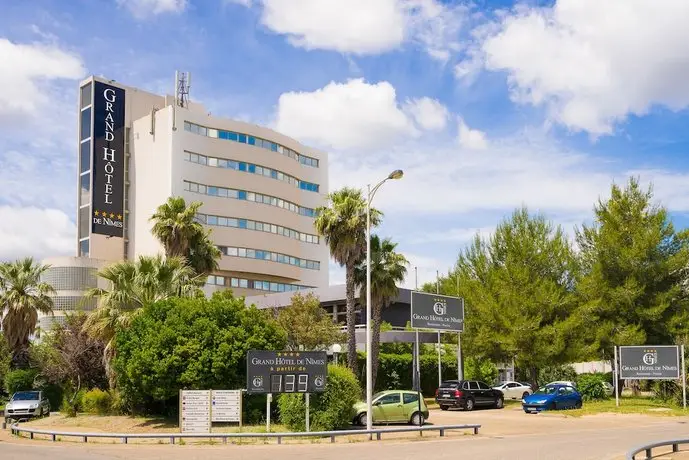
(107, 206)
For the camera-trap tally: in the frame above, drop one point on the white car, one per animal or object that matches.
(514, 390)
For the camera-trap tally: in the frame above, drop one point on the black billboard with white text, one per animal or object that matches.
(107, 198)
(649, 362)
(286, 371)
(438, 312)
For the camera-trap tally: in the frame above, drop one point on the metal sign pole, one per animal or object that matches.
(684, 382)
(308, 425)
(460, 373)
(268, 399)
(418, 372)
(440, 363)
(616, 375)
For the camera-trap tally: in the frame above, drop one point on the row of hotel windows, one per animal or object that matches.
(269, 255)
(249, 167)
(248, 196)
(258, 226)
(251, 140)
(272, 286)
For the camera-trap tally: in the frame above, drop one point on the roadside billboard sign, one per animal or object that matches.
(649, 362)
(438, 312)
(286, 371)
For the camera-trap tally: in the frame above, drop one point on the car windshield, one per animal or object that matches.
(25, 396)
(546, 391)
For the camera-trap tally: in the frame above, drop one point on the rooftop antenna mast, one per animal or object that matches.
(182, 87)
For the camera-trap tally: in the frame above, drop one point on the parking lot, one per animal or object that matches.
(505, 434)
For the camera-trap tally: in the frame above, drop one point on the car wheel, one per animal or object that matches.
(417, 419)
(525, 394)
(469, 405)
(499, 403)
(442, 407)
(363, 419)
(577, 405)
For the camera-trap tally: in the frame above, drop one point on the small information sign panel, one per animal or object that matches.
(195, 411)
(226, 406)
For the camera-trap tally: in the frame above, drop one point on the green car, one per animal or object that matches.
(393, 406)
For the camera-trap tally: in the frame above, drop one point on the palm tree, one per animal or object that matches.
(175, 225)
(182, 235)
(203, 254)
(134, 285)
(22, 296)
(342, 223)
(388, 269)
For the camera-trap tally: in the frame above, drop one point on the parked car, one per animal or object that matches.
(393, 406)
(468, 394)
(25, 405)
(514, 390)
(552, 397)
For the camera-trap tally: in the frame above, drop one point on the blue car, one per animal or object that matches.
(552, 397)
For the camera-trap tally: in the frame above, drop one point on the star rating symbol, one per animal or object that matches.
(96, 213)
(112, 216)
(119, 217)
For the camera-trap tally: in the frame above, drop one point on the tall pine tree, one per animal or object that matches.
(633, 263)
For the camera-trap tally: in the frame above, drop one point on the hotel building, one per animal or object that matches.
(259, 188)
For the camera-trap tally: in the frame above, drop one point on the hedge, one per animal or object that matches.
(330, 410)
(395, 371)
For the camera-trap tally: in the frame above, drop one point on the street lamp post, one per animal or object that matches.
(396, 174)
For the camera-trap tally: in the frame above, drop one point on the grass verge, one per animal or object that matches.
(628, 405)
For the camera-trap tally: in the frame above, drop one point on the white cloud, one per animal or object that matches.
(348, 115)
(592, 63)
(26, 72)
(364, 26)
(459, 235)
(35, 232)
(429, 113)
(144, 8)
(472, 139)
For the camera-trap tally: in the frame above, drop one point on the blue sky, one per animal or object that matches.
(486, 105)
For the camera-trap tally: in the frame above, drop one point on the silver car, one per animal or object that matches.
(25, 405)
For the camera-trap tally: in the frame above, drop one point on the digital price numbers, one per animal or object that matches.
(289, 383)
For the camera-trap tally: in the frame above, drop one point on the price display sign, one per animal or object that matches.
(195, 411)
(286, 371)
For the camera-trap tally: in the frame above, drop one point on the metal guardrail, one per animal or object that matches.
(17, 430)
(648, 448)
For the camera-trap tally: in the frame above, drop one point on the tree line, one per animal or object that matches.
(535, 296)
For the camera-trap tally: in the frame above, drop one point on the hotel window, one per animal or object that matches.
(84, 248)
(85, 189)
(251, 140)
(85, 156)
(85, 95)
(84, 221)
(85, 124)
(270, 256)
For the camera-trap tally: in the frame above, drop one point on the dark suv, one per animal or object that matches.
(468, 394)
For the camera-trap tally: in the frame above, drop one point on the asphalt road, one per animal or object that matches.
(595, 438)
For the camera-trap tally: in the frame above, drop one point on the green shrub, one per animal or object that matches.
(19, 380)
(556, 373)
(72, 404)
(330, 410)
(590, 386)
(667, 391)
(189, 343)
(97, 402)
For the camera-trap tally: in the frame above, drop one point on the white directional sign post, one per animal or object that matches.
(195, 411)
(226, 406)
